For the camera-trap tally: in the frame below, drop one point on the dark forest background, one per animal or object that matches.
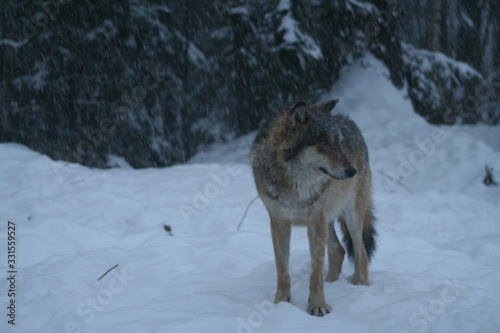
(156, 81)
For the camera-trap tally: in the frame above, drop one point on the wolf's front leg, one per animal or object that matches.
(317, 233)
(280, 231)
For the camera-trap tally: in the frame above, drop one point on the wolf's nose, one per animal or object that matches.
(351, 172)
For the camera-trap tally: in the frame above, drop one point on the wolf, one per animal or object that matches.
(311, 168)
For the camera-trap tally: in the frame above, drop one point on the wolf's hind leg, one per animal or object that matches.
(355, 230)
(335, 254)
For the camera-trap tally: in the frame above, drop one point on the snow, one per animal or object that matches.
(35, 79)
(292, 34)
(106, 30)
(15, 44)
(437, 57)
(437, 267)
(114, 161)
(368, 7)
(240, 10)
(195, 54)
(467, 20)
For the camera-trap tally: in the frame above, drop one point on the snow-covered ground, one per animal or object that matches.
(437, 267)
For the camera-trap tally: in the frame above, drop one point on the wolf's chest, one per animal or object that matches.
(301, 194)
(304, 202)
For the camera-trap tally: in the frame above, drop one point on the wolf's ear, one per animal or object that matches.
(299, 113)
(328, 106)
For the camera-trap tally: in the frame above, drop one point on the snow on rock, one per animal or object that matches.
(427, 58)
(437, 267)
(441, 88)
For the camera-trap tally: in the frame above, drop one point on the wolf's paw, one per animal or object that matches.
(281, 298)
(332, 276)
(319, 310)
(360, 281)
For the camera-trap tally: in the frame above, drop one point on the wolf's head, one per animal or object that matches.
(317, 144)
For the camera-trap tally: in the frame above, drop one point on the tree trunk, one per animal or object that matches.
(433, 24)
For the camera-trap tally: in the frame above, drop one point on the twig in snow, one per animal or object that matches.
(109, 270)
(246, 211)
(488, 179)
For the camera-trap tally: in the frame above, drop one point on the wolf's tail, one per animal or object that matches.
(369, 234)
